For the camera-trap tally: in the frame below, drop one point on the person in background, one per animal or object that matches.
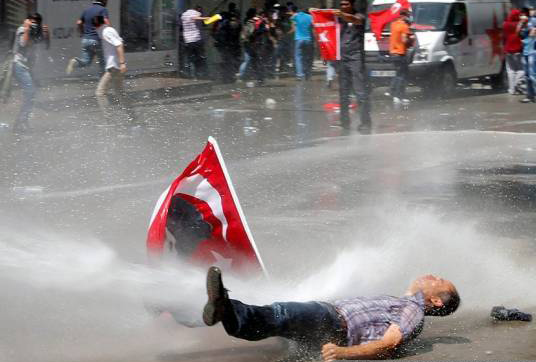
(303, 43)
(527, 32)
(283, 27)
(355, 328)
(91, 46)
(115, 68)
(30, 33)
(193, 42)
(352, 71)
(226, 35)
(400, 40)
(268, 44)
(512, 49)
(252, 32)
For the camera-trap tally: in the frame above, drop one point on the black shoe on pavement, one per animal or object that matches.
(217, 297)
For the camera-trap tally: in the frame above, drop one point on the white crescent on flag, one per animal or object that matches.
(201, 211)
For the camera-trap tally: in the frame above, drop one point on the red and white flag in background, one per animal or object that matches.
(378, 19)
(200, 217)
(327, 31)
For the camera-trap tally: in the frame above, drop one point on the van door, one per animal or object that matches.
(486, 26)
(458, 42)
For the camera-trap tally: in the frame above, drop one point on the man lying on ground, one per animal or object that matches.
(358, 328)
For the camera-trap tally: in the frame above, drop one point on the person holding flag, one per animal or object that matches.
(352, 70)
(401, 39)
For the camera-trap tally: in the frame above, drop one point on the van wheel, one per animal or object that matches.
(443, 83)
(499, 82)
(447, 82)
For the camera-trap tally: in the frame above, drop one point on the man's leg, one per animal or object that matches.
(298, 61)
(532, 75)
(305, 322)
(345, 86)
(530, 89)
(101, 93)
(124, 101)
(395, 87)
(309, 57)
(23, 76)
(510, 71)
(360, 83)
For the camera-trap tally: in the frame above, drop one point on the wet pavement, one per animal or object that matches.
(445, 186)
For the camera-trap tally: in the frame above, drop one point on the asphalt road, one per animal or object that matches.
(445, 186)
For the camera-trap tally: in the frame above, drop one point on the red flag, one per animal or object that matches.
(327, 31)
(378, 19)
(200, 216)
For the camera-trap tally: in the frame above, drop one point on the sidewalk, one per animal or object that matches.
(65, 94)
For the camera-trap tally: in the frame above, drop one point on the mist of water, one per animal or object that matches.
(61, 290)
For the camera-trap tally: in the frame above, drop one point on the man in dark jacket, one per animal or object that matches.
(227, 41)
(352, 70)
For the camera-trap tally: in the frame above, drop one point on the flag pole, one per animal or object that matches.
(214, 143)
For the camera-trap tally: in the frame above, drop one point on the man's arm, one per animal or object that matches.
(121, 56)
(356, 18)
(372, 350)
(26, 35)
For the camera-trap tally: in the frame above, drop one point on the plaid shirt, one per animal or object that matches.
(367, 318)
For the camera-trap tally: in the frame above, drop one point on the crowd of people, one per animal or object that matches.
(278, 39)
(255, 48)
(519, 34)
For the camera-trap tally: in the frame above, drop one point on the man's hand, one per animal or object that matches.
(329, 352)
(27, 24)
(123, 68)
(350, 18)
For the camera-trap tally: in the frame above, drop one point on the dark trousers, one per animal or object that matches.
(229, 62)
(398, 84)
(196, 63)
(313, 323)
(255, 62)
(353, 75)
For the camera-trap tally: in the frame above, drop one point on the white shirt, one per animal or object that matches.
(190, 31)
(110, 40)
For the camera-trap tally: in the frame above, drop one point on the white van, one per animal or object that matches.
(456, 40)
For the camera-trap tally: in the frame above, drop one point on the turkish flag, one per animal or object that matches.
(199, 217)
(378, 19)
(327, 31)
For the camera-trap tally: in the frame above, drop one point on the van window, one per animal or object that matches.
(457, 21)
(426, 16)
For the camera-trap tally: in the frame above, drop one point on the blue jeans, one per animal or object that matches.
(24, 77)
(314, 323)
(529, 66)
(244, 66)
(90, 49)
(303, 52)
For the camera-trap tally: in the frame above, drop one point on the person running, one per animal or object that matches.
(356, 328)
(352, 71)
(400, 40)
(303, 43)
(115, 68)
(91, 45)
(28, 35)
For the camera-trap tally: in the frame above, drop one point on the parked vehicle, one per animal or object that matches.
(456, 41)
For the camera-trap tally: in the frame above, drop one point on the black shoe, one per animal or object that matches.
(217, 297)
